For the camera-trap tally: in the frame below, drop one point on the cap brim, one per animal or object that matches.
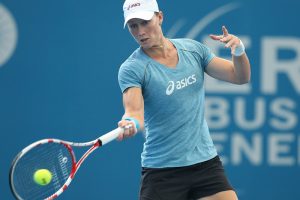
(145, 15)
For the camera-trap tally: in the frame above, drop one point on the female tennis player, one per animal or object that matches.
(162, 83)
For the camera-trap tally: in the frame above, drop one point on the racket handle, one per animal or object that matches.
(112, 135)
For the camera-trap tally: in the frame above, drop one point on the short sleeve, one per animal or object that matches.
(206, 54)
(130, 75)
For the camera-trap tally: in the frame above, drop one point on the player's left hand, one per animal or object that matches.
(231, 41)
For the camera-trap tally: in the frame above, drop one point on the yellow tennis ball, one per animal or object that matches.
(42, 177)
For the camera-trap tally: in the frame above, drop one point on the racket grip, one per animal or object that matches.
(112, 135)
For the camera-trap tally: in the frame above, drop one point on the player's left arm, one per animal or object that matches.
(237, 70)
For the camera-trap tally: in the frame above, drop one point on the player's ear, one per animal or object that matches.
(160, 17)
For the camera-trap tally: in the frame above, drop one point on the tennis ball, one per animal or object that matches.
(42, 177)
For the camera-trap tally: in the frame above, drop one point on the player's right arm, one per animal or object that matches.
(133, 103)
(237, 70)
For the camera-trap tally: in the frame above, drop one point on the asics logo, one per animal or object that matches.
(170, 88)
(178, 85)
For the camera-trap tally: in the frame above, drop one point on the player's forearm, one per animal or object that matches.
(134, 105)
(242, 68)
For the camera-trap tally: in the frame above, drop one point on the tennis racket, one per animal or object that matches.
(56, 156)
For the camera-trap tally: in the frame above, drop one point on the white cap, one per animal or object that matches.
(141, 9)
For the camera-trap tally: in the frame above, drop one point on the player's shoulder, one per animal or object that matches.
(134, 61)
(135, 64)
(188, 44)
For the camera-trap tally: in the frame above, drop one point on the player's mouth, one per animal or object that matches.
(144, 40)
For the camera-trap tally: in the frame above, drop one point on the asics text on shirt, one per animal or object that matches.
(178, 85)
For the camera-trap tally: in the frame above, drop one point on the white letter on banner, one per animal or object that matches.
(240, 146)
(259, 110)
(280, 144)
(286, 118)
(272, 66)
(216, 114)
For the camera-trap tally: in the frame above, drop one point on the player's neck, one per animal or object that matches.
(161, 50)
(165, 53)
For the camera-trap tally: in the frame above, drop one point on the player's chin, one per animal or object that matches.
(145, 46)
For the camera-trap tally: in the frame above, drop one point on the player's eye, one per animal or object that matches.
(132, 26)
(145, 22)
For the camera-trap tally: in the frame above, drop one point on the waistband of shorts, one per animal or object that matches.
(216, 158)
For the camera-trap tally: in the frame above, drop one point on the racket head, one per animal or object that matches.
(51, 154)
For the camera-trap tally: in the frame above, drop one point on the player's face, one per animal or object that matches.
(148, 34)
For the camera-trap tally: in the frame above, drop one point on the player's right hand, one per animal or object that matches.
(129, 129)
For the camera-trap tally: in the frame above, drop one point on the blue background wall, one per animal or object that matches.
(58, 78)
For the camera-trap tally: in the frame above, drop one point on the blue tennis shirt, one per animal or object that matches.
(176, 132)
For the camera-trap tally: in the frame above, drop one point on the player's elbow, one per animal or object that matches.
(243, 80)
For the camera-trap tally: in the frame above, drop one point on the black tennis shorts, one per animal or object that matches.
(184, 183)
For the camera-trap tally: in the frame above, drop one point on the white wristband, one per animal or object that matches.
(239, 50)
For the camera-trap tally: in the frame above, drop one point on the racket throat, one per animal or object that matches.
(99, 143)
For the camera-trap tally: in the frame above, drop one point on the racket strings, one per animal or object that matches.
(54, 157)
